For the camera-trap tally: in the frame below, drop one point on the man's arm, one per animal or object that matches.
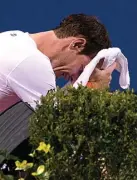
(32, 78)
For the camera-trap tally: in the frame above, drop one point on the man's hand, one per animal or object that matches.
(101, 79)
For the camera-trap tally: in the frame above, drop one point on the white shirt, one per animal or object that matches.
(25, 73)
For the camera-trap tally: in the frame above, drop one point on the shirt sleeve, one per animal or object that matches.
(32, 78)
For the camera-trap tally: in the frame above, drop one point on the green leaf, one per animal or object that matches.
(87, 129)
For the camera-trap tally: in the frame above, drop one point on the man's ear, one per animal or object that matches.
(78, 44)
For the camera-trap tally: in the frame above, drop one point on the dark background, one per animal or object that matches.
(119, 16)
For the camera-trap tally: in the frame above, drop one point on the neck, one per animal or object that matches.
(48, 44)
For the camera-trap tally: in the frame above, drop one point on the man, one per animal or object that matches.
(30, 63)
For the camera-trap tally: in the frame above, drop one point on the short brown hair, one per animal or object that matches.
(88, 27)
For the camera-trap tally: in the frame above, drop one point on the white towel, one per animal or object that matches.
(109, 55)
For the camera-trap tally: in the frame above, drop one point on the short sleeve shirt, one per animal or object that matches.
(25, 73)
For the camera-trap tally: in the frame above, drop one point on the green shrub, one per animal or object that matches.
(93, 134)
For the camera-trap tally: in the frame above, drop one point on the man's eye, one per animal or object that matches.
(81, 70)
(71, 79)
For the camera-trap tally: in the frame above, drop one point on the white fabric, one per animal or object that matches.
(25, 73)
(110, 56)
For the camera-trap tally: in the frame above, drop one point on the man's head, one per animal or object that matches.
(72, 44)
(82, 37)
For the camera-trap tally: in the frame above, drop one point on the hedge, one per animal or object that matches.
(92, 133)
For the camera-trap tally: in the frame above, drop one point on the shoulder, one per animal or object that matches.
(34, 68)
(16, 39)
(20, 57)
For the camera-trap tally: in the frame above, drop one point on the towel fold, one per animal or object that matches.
(110, 56)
